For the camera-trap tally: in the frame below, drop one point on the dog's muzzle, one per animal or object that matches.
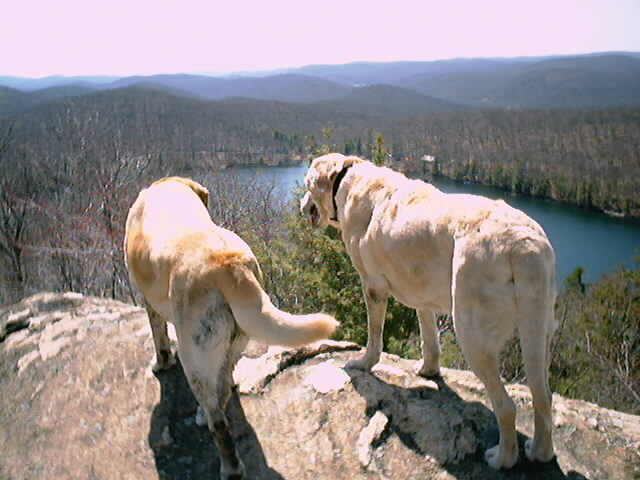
(309, 210)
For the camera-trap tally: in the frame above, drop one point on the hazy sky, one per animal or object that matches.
(123, 37)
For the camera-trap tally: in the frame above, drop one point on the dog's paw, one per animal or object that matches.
(426, 370)
(165, 360)
(234, 476)
(363, 363)
(201, 417)
(237, 474)
(538, 454)
(497, 458)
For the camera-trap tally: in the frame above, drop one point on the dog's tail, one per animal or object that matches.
(237, 279)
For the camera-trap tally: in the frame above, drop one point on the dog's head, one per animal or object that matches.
(318, 203)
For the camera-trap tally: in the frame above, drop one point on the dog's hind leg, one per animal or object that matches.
(163, 357)
(535, 352)
(207, 345)
(238, 344)
(536, 325)
(481, 352)
(430, 365)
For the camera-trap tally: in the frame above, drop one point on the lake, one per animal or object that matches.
(581, 238)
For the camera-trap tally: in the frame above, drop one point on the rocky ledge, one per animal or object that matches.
(79, 401)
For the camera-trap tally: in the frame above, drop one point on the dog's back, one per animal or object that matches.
(169, 234)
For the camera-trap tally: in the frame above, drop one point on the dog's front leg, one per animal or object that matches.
(430, 365)
(376, 309)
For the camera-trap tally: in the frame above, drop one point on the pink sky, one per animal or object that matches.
(124, 37)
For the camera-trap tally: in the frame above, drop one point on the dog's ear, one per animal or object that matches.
(340, 165)
(324, 170)
(201, 191)
(334, 170)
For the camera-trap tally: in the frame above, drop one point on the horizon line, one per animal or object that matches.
(250, 72)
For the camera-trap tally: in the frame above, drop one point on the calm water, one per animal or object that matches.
(596, 242)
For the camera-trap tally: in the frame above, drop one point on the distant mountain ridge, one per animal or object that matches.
(390, 100)
(31, 84)
(13, 100)
(565, 82)
(595, 80)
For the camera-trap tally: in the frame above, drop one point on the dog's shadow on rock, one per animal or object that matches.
(435, 422)
(184, 450)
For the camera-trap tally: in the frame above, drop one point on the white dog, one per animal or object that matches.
(206, 281)
(488, 264)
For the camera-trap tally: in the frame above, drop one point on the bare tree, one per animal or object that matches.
(13, 218)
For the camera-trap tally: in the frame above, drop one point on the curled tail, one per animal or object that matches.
(256, 314)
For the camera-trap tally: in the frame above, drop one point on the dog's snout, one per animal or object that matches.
(309, 209)
(304, 203)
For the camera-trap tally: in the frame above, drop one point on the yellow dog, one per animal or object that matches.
(206, 281)
(488, 264)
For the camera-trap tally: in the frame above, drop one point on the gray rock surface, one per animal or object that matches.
(79, 401)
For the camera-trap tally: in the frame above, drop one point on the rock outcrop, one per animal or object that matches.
(79, 401)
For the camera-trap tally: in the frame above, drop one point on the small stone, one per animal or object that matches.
(19, 316)
(370, 435)
(558, 420)
(27, 360)
(51, 348)
(189, 421)
(389, 370)
(165, 438)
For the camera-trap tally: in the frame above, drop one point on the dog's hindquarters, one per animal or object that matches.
(485, 312)
(213, 315)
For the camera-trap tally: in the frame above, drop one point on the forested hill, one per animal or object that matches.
(588, 157)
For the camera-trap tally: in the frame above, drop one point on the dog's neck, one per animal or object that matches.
(336, 186)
